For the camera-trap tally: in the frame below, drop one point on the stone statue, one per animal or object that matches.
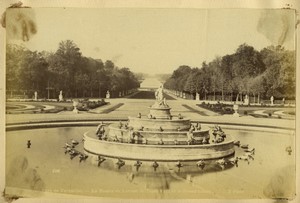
(75, 103)
(159, 94)
(236, 108)
(246, 100)
(100, 130)
(272, 100)
(107, 94)
(60, 96)
(35, 96)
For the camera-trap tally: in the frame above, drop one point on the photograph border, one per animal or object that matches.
(181, 4)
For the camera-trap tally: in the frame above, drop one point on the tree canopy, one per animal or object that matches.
(265, 73)
(66, 70)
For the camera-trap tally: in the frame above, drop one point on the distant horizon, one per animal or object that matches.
(155, 41)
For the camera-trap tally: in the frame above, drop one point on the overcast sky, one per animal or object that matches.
(155, 40)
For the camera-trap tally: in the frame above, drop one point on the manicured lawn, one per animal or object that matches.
(255, 111)
(20, 107)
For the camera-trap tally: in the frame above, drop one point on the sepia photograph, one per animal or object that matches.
(150, 103)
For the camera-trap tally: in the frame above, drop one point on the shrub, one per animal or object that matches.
(270, 114)
(245, 112)
(85, 105)
(228, 110)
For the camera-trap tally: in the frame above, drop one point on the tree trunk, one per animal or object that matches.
(258, 98)
(241, 97)
(254, 97)
(237, 97)
(222, 94)
(214, 94)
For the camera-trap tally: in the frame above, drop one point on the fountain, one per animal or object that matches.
(148, 154)
(158, 137)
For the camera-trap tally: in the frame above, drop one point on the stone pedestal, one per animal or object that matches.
(236, 108)
(197, 96)
(107, 95)
(160, 111)
(75, 110)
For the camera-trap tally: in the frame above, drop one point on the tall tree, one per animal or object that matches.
(66, 62)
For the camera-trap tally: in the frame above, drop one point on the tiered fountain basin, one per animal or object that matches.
(173, 124)
(157, 137)
(160, 112)
(153, 151)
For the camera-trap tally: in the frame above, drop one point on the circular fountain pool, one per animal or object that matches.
(45, 167)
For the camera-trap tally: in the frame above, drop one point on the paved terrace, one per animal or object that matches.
(121, 108)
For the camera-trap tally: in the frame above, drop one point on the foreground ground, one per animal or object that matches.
(45, 167)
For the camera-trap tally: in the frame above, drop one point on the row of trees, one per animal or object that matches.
(67, 70)
(259, 74)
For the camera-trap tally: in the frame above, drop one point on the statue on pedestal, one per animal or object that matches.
(107, 95)
(272, 100)
(35, 96)
(236, 108)
(159, 94)
(60, 96)
(75, 103)
(160, 100)
(246, 100)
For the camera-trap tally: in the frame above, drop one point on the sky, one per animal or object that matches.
(152, 41)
